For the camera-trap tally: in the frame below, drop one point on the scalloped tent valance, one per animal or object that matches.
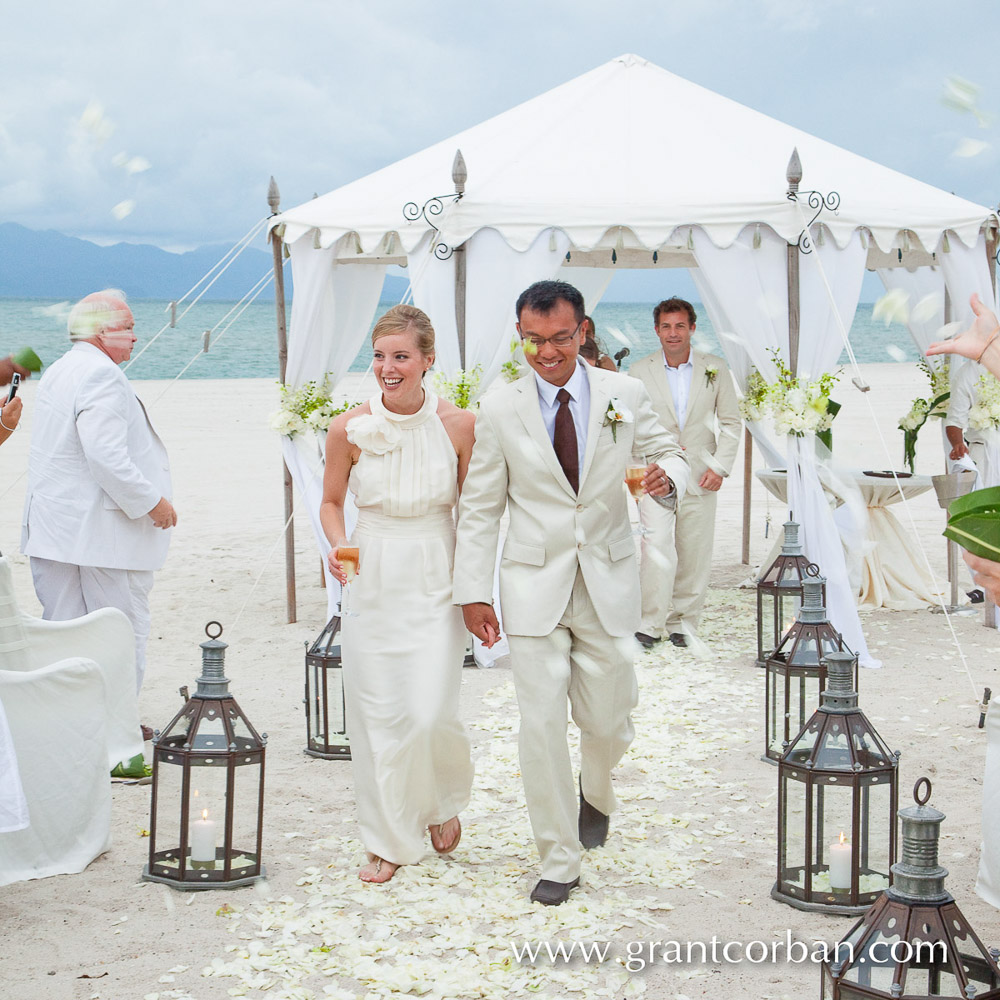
(534, 167)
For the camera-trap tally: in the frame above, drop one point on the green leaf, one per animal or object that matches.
(978, 534)
(978, 501)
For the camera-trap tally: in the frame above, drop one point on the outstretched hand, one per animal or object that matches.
(481, 621)
(973, 342)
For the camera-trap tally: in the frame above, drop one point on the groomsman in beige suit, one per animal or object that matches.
(694, 398)
(552, 449)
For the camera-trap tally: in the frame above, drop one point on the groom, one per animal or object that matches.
(552, 449)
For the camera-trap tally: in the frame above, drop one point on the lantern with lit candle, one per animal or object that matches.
(207, 804)
(836, 804)
(914, 941)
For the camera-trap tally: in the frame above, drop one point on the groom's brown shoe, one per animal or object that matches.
(593, 824)
(550, 893)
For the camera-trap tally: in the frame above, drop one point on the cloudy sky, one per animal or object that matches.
(161, 121)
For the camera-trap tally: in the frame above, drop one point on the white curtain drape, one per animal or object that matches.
(432, 283)
(332, 311)
(745, 290)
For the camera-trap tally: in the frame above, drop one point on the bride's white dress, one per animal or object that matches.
(403, 652)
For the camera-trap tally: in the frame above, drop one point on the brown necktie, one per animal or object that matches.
(564, 440)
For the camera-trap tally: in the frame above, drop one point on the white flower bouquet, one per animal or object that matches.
(307, 408)
(911, 422)
(985, 412)
(462, 389)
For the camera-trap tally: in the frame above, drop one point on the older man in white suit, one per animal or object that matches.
(552, 449)
(97, 513)
(694, 398)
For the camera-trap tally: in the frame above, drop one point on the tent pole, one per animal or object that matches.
(273, 200)
(459, 175)
(990, 610)
(793, 175)
(747, 483)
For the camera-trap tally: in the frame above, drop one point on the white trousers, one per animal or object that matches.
(68, 591)
(581, 662)
(675, 563)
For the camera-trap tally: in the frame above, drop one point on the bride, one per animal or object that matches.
(404, 455)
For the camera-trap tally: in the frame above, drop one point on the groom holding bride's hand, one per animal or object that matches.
(552, 449)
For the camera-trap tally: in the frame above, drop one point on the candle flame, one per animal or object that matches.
(841, 834)
(204, 815)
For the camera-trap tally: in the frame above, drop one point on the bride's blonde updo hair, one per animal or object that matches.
(400, 319)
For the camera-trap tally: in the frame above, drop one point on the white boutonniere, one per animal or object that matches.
(711, 374)
(616, 414)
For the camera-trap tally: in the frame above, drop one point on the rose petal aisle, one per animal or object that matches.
(449, 928)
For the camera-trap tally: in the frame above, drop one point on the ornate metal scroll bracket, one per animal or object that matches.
(429, 211)
(819, 203)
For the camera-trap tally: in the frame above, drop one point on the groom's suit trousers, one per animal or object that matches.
(581, 662)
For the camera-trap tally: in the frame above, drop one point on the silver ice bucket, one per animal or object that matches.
(953, 485)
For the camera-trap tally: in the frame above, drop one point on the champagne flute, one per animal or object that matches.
(348, 556)
(633, 479)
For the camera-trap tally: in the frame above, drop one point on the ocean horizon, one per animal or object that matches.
(247, 345)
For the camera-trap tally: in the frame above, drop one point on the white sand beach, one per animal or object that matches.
(692, 850)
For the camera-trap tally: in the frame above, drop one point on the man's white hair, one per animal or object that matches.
(97, 312)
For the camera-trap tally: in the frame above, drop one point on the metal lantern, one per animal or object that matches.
(796, 671)
(207, 809)
(779, 592)
(915, 941)
(326, 714)
(836, 805)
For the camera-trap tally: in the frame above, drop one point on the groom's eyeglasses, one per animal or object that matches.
(559, 340)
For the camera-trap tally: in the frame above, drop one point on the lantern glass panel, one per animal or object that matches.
(875, 834)
(242, 734)
(792, 842)
(315, 706)
(167, 819)
(211, 733)
(246, 798)
(804, 743)
(207, 805)
(804, 651)
(831, 817)
(875, 966)
(833, 750)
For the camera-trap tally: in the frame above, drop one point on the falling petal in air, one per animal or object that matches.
(960, 95)
(893, 307)
(123, 209)
(896, 353)
(968, 148)
(928, 308)
(137, 165)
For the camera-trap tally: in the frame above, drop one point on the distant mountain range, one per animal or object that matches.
(51, 265)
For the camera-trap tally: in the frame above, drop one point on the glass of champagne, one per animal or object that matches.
(348, 556)
(633, 479)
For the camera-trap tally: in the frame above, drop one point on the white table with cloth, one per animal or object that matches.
(890, 572)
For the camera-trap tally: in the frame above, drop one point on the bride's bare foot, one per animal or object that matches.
(445, 837)
(378, 870)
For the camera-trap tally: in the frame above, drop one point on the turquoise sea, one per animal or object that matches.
(248, 347)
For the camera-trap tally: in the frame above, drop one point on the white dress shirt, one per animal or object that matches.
(578, 387)
(680, 387)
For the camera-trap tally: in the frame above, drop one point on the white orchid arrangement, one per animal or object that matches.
(797, 406)
(616, 414)
(985, 412)
(512, 369)
(307, 408)
(921, 408)
(462, 389)
(711, 374)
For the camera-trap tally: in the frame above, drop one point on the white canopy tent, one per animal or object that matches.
(681, 177)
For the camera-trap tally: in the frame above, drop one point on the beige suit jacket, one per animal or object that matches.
(703, 447)
(553, 530)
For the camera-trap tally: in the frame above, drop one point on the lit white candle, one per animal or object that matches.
(840, 864)
(203, 838)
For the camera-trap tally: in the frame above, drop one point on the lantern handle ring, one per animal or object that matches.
(922, 799)
(812, 569)
(210, 626)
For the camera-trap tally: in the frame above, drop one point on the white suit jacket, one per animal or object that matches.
(95, 470)
(707, 400)
(552, 529)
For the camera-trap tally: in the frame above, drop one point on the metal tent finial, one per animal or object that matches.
(273, 196)
(459, 172)
(793, 174)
